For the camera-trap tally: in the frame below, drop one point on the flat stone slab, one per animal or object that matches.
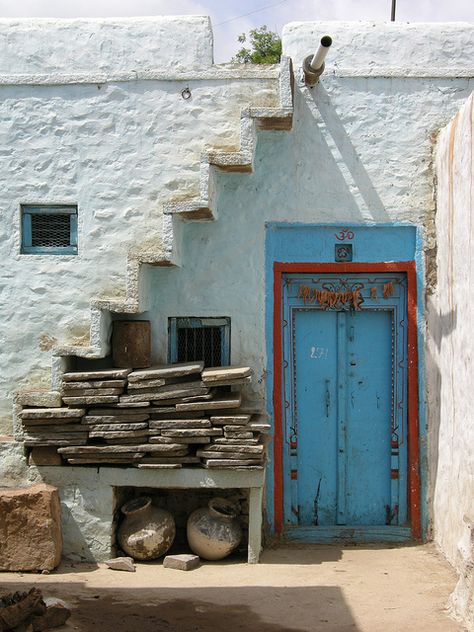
(237, 435)
(102, 374)
(229, 381)
(192, 432)
(159, 466)
(257, 427)
(86, 392)
(30, 524)
(47, 399)
(95, 461)
(117, 434)
(95, 384)
(182, 562)
(215, 404)
(53, 429)
(181, 393)
(158, 424)
(52, 422)
(224, 420)
(144, 384)
(121, 564)
(88, 400)
(100, 449)
(175, 448)
(198, 398)
(216, 374)
(227, 441)
(133, 405)
(167, 371)
(249, 449)
(228, 455)
(184, 440)
(51, 413)
(230, 462)
(119, 427)
(111, 419)
(33, 442)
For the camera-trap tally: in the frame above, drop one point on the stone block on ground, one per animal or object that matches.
(30, 524)
(56, 615)
(184, 562)
(121, 564)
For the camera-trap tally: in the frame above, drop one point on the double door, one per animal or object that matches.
(345, 461)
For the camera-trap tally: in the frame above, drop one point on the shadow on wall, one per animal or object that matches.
(338, 141)
(438, 326)
(243, 609)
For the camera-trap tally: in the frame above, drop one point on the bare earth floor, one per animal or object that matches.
(297, 588)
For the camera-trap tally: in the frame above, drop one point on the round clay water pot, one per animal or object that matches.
(213, 531)
(146, 532)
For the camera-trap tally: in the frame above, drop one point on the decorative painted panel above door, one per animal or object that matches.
(345, 405)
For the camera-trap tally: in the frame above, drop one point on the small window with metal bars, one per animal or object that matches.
(206, 339)
(50, 230)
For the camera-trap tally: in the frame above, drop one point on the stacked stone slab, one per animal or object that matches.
(163, 417)
(54, 426)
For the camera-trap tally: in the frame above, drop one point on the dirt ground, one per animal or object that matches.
(293, 589)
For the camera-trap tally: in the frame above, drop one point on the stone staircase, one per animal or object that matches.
(167, 252)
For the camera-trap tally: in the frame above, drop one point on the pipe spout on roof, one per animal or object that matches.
(313, 65)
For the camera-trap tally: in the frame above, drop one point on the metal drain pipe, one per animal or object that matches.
(313, 65)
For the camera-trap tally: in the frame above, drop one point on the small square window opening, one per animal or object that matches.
(206, 339)
(49, 230)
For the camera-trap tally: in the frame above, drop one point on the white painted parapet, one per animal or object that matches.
(384, 49)
(57, 46)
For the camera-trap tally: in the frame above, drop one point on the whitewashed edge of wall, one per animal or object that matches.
(450, 357)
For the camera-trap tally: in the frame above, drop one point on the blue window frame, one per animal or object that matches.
(49, 230)
(205, 339)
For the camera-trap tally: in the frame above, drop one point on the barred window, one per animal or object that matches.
(49, 230)
(206, 339)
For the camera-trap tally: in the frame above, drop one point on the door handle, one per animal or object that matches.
(328, 399)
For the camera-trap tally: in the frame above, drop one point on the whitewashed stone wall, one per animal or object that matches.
(450, 355)
(91, 113)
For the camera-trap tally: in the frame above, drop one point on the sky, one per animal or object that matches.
(232, 17)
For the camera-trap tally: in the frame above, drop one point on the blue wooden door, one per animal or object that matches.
(345, 404)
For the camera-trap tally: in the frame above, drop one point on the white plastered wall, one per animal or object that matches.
(450, 357)
(91, 113)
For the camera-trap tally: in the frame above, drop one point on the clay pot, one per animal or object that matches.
(213, 531)
(146, 532)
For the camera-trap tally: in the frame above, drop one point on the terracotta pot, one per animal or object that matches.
(213, 531)
(146, 532)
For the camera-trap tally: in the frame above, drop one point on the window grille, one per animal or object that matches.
(206, 339)
(49, 230)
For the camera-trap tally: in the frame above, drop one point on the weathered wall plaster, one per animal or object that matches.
(450, 356)
(117, 149)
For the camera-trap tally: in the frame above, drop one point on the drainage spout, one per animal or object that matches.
(313, 65)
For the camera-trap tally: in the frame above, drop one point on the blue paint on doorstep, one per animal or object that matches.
(316, 244)
(348, 534)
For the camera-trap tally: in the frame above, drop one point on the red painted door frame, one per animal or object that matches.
(409, 267)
